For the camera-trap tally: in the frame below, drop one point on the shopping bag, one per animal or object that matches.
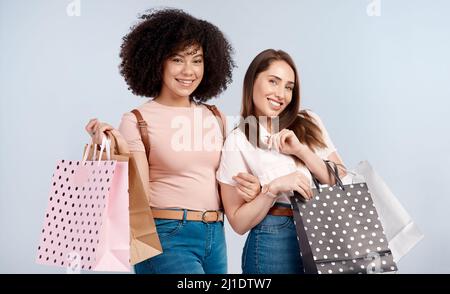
(401, 231)
(86, 224)
(144, 240)
(339, 230)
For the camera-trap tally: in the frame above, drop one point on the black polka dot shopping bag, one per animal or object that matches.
(339, 230)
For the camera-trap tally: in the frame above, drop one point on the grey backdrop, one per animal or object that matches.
(380, 84)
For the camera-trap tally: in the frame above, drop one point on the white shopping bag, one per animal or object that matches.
(401, 231)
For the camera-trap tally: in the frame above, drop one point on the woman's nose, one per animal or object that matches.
(279, 92)
(187, 69)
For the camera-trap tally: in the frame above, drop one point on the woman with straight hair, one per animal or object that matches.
(283, 147)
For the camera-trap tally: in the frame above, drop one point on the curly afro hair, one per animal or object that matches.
(162, 33)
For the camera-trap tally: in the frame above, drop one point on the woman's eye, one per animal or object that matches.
(273, 82)
(290, 88)
(177, 60)
(198, 61)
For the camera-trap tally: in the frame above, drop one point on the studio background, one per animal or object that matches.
(379, 78)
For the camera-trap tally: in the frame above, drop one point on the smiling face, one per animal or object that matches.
(272, 90)
(182, 72)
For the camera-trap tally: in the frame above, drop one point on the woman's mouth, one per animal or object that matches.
(185, 83)
(275, 104)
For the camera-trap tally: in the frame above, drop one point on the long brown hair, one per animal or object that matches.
(301, 123)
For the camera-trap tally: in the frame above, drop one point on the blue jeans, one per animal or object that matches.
(189, 247)
(272, 248)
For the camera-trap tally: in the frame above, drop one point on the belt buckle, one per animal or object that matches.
(204, 214)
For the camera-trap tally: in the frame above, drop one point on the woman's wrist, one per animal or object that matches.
(301, 152)
(270, 189)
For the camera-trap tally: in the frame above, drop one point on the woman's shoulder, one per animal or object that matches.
(312, 114)
(214, 111)
(235, 139)
(236, 133)
(149, 111)
(211, 108)
(308, 112)
(129, 115)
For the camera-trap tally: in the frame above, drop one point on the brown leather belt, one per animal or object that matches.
(280, 211)
(207, 216)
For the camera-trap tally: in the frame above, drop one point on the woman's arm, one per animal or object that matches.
(288, 143)
(334, 157)
(317, 166)
(245, 215)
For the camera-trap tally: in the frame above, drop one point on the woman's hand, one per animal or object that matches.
(286, 142)
(248, 186)
(295, 181)
(97, 129)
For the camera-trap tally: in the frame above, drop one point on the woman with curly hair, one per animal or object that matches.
(181, 62)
